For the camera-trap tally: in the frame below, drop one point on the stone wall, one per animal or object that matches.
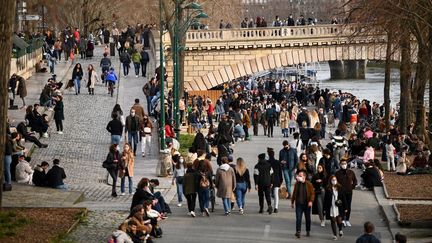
(25, 66)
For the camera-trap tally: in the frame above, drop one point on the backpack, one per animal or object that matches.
(204, 182)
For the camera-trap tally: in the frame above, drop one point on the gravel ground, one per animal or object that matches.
(414, 212)
(408, 187)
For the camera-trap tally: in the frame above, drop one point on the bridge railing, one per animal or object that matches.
(271, 33)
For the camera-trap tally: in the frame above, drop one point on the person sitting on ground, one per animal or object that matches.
(120, 235)
(39, 68)
(371, 176)
(403, 162)
(154, 217)
(136, 215)
(420, 161)
(143, 193)
(29, 136)
(23, 171)
(40, 174)
(153, 183)
(56, 175)
(238, 132)
(368, 237)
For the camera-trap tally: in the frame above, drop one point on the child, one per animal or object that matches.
(72, 55)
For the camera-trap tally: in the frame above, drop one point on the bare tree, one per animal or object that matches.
(7, 17)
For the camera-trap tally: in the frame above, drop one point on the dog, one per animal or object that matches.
(283, 192)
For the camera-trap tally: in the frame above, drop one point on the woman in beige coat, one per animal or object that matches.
(92, 78)
(128, 161)
(284, 120)
(225, 183)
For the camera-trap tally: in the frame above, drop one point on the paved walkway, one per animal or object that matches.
(253, 227)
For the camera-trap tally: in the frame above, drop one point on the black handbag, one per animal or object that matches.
(108, 165)
(338, 203)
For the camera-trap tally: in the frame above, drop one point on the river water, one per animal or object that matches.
(371, 88)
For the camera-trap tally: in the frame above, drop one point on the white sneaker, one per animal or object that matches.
(347, 223)
(340, 233)
(334, 237)
(136, 76)
(143, 154)
(192, 213)
(241, 211)
(45, 135)
(344, 223)
(59, 132)
(323, 223)
(122, 194)
(179, 205)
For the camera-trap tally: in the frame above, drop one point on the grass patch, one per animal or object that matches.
(185, 141)
(10, 223)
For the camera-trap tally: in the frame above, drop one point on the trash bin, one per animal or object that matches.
(112, 49)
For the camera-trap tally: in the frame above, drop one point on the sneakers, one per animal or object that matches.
(241, 211)
(334, 237)
(60, 132)
(340, 233)
(45, 135)
(227, 213)
(347, 223)
(192, 213)
(344, 223)
(207, 213)
(270, 210)
(122, 194)
(297, 234)
(179, 205)
(143, 155)
(323, 223)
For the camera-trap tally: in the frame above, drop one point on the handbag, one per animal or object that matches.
(338, 203)
(108, 165)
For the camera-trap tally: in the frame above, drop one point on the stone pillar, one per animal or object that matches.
(349, 69)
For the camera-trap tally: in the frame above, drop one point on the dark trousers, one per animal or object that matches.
(114, 174)
(33, 139)
(336, 221)
(300, 210)
(270, 128)
(348, 196)
(255, 129)
(246, 130)
(91, 91)
(13, 166)
(59, 125)
(191, 201)
(264, 191)
(144, 69)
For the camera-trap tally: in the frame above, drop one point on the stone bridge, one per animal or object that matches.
(213, 57)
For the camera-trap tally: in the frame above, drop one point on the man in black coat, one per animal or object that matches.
(56, 175)
(263, 178)
(40, 175)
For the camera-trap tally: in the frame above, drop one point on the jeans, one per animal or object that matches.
(51, 66)
(137, 66)
(300, 209)
(191, 200)
(276, 197)
(126, 69)
(62, 187)
(240, 192)
(7, 169)
(226, 204)
(77, 84)
(203, 198)
(146, 144)
(115, 139)
(133, 140)
(179, 185)
(287, 174)
(144, 68)
(149, 109)
(348, 196)
(113, 173)
(122, 184)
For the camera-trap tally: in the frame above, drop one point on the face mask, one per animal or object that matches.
(334, 182)
(118, 148)
(301, 179)
(132, 114)
(181, 160)
(344, 167)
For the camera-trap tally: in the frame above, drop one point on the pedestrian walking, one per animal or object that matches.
(289, 160)
(111, 79)
(319, 181)
(284, 121)
(178, 176)
(59, 113)
(205, 174)
(225, 182)
(132, 129)
(145, 58)
(335, 205)
(277, 177)
(128, 160)
(113, 164)
(302, 199)
(243, 183)
(125, 59)
(92, 79)
(77, 75)
(136, 59)
(347, 178)
(146, 135)
(22, 90)
(263, 178)
(190, 182)
(368, 236)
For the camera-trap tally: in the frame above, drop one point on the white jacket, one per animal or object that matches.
(23, 172)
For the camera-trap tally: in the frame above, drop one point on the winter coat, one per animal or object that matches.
(310, 193)
(328, 198)
(291, 158)
(225, 181)
(190, 182)
(347, 179)
(277, 172)
(22, 87)
(140, 196)
(55, 176)
(58, 111)
(39, 177)
(92, 79)
(129, 164)
(23, 172)
(263, 174)
(330, 165)
(284, 119)
(136, 57)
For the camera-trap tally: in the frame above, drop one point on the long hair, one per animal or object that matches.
(143, 183)
(329, 184)
(240, 166)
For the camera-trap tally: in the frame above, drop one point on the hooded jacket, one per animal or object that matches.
(263, 174)
(225, 181)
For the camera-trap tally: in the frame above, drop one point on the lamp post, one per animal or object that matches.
(162, 77)
(179, 32)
